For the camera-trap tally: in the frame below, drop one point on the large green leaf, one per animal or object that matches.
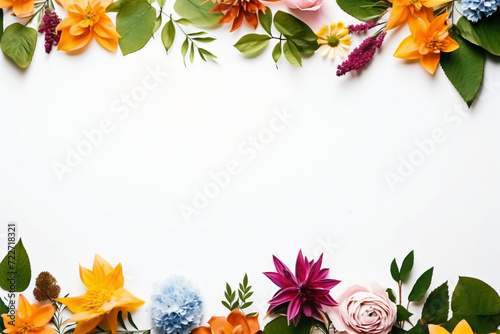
(464, 67)
(168, 35)
(266, 20)
(280, 326)
(474, 297)
(292, 54)
(364, 10)
(15, 269)
(18, 43)
(3, 309)
(437, 306)
(1, 23)
(252, 43)
(407, 266)
(421, 286)
(485, 33)
(198, 12)
(297, 31)
(135, 23)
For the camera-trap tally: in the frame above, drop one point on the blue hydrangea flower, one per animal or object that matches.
(474, 10)
(176, 306)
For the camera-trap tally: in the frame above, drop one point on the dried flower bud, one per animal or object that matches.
(46, 287)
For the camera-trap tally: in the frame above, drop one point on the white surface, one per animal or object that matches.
(319, 185)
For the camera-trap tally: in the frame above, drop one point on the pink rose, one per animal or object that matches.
(304, 4)
(364, 310)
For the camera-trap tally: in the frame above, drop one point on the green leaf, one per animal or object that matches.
(437, 306)
(480, 324)
(421, 286)
(280, 326)
(246, 305)
(474, 297)
(15, 268)
(198, 12)
(184, 22)
(395, 271)
(266, 20)
(168, 35)
(120, 320)
(131, 321)
(392, 295)
(406, 267)
(18, 43)
(3, 308)
(184, 50)
(114, 7)
(199, 33)
(292, 54)
(207, 53)
(289, 26)
(397, 330)
(157, 24)
(277, 52)
(1, 27)
(464, 67)
(252, 43)
(204, 39)
(135, 23)
(162, 3)
(364, 10)
(485, 33)
(403, 314)
(191, 54)
(305, 42)
(226, 305)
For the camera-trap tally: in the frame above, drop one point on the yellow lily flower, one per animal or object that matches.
(408, 10)
(87, 19)
(103, 300)
(427, 41)
(29, 319)
(462, 328)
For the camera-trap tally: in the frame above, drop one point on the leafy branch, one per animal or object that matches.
(241, 300)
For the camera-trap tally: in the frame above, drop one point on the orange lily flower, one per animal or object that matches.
(427, 41)
(21, 8)
(235, 323)
(103, 300)
(408, 10)
(87, 19)
(462, 327)
(236, 10)
(30, 319)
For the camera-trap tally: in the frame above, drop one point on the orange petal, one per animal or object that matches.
(43, 315)
(238, 20)
(5, 3)
(23, 8)
(217, 323)
(114, 279)
(84, 316)
(418, 28)
(123, 299)
(73, 303)
(452, 46)
(408, 49)
(399, 15)
(101, 267)
(86, 275)
(87, 326)
(439, 22)
(67, 23)
(430, 61)
(463, 327)
(253, 323)
(237, 318)
(46, 330)
(110, 44)
(24, 307)
(252, 19)
(433, 3)
(112, 319)
(434, 329)
(105, 28)
(202, 330)
(71, 43)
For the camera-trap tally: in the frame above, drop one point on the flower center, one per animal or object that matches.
(436, 42)
(89, 17)
(95, 298)
(415, 6)
(26, 328)
(333, 41)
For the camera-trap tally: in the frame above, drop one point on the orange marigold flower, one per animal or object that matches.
(427, 41)
(87, 19)
(236, 10)
(21, 8)
(408, 10)
(30, 319)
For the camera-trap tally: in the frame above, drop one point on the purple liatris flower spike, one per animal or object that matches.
(361, 55)
(363, 27)
(48, 26)
(307, 292)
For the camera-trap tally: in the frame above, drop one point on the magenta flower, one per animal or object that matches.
(308, 292)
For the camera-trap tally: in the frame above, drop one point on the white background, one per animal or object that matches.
(319, 185)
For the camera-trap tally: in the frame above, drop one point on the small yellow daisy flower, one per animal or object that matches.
(334, 39)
